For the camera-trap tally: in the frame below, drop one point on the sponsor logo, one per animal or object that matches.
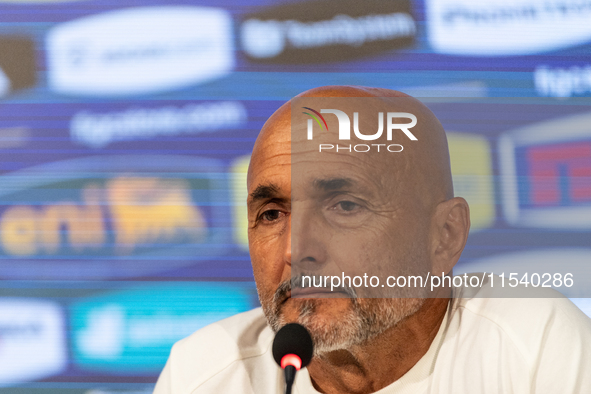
(516, 27)
(97, 130)
(17, 64)
(32, 343)
(107, 218)
(345, 129)
(142, 210)
(317, 31)
(546, 176)
(140, 50)
(132, 331)
(471, 167)
(563, 82)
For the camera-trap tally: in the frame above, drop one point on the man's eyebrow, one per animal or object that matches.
(263, 192)
(333, 184)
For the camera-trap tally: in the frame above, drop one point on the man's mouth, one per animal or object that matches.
(316, 292)
(286, 291)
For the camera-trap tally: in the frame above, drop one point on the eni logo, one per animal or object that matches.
(118, 217)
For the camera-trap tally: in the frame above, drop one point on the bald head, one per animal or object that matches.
(423, 167)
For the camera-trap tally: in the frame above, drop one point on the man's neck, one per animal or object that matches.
(384, 359)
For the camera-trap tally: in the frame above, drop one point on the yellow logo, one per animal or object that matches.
(239, 195)
(472, 176)
(139, 211)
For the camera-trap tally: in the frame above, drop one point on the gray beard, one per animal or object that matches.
(363, 321)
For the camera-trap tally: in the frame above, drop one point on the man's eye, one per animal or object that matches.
(347, 206)
(271, 215)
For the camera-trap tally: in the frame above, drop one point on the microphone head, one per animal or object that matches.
(293, 338)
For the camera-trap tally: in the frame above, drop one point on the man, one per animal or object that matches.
(314, 212)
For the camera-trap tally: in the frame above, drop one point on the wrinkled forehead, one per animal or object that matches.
(273, 145)
(361, 143)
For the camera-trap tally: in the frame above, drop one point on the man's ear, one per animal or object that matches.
(449, 231)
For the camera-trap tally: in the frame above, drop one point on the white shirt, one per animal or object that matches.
(484, 345)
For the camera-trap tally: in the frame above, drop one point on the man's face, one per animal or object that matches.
(328, 214)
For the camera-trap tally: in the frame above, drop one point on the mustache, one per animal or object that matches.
(281, 294)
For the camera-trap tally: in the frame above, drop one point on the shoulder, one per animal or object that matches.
(510, 307)
(536, 321)
(533, 342)
(209, 351)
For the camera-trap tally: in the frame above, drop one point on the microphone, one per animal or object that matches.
(292, 349)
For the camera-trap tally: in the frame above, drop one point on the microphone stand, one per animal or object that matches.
(290, 372)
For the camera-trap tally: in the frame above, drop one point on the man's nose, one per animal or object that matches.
(308, 239)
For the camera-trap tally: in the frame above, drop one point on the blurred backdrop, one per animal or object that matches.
(126, 128)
